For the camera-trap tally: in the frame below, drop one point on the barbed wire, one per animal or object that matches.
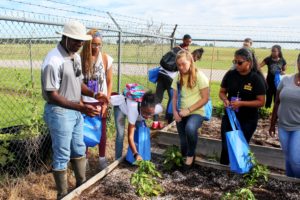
(97, 10)
(20, 11)
(143, 27)
(56, 8)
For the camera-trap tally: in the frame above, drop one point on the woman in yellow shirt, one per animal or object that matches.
(188, 105)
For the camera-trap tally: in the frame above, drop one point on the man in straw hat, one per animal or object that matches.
(62, 88)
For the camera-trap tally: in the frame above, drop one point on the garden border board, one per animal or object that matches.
(208, 147)
(214, 165)
(76, 192)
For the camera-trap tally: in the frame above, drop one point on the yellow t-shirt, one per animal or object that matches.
(191, 96)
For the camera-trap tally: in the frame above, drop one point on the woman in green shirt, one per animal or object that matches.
(188, 105)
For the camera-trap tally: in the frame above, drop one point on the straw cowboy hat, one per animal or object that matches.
(75, 30)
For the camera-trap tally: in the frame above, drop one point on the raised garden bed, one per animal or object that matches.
(212, 129)
(198, 183)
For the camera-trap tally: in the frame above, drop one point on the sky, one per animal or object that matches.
(215, 12)
(223, 19)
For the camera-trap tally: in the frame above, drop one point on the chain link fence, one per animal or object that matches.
(25, 144)
(26, 38)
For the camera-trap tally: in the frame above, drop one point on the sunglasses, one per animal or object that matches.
(238, 62)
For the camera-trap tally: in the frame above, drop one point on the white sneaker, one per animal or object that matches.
(102, 163)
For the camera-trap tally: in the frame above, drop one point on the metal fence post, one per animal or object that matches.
(31, 67)
(119, 50)
(173, 37)
(119, 61)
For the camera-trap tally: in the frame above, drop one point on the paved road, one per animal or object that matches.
(127, 69)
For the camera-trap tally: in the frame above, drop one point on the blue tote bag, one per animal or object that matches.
(277, 78)
(238, 148)
(92, 129)
(153, 74)
(208, 110)
(142, 142)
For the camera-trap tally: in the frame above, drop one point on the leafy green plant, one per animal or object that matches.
(264, 113)
(5, 155)
(239, 194)
(251, 179)
(34, 125)
(219, 110)
(257, 173)
(172, 158)
(144, 179)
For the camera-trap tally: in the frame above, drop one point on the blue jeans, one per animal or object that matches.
(120, 128)
(188, 133)
(66, 130)
(290, 144)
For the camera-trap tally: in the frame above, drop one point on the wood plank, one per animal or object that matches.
(93, 180)
(201, 162)
(209, 147)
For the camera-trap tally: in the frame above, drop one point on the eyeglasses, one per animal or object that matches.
(95, 45)
(147, 115)
(238, 62)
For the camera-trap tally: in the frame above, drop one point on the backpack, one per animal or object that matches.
(134, 92)
(168, 61)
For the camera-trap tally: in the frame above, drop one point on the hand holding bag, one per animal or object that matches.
(238, 148)
(142, 142)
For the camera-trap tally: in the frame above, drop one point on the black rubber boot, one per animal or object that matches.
(61, 181)
(79, 167)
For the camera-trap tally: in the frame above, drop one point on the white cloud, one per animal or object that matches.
(201, 18)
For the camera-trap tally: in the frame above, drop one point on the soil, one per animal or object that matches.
(40, 185)
(197, 183)
(212, 129)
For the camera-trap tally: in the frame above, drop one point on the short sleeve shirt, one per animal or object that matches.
(130, 108)
(58, 73)
(191, 96)
(247, 88)
(273, 65)
(289, 108)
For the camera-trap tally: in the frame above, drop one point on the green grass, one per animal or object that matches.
(150, 53)
(15, 93)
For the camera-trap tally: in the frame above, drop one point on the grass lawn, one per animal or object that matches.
(16, 101)
(150, 53)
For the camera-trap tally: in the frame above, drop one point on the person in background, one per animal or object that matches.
(186, 42)
(164, 82)
(130, 108)
(62, 86)
(243, 89)
(247, 43)
(275, 62)
(188, 108)
(287, 110)
(97, 69)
